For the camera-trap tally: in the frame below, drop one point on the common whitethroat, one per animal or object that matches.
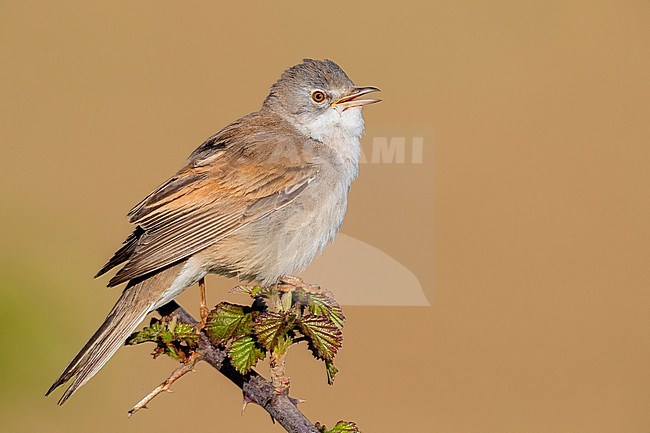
(258, 200)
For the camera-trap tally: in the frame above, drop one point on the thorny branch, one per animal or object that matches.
(255, 388)
(176, 374)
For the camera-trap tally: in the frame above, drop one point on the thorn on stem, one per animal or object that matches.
(296, 401)
(246, 400)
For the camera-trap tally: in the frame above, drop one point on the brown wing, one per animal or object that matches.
(222, 190)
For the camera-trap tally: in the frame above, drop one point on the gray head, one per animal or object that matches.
(319, 98)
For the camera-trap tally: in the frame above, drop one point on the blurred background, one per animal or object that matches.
(525, 224)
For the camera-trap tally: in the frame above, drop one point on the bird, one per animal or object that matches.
(258, 200)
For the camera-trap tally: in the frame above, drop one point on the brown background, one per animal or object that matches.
(527, 224)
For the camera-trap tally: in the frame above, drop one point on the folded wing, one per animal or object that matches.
(227, 186)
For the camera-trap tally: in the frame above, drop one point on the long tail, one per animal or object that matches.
(136, 301)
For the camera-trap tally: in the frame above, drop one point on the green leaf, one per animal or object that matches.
(331, 371)
(282, 346)
(185, 332)
(344, 427)
(148, 334)
(228, 321)
(321, 305)
(340, 427)
(286, 301)
(244, 353)
(269, 328)
(252, 291)
(324, 337)
(177, 340)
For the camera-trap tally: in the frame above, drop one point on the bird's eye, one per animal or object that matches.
(318, 96)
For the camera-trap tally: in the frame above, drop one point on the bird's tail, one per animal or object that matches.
(137, 300)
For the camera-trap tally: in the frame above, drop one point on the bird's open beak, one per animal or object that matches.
(350, 100)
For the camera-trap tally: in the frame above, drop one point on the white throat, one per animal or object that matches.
(335, 124)
(340, 130)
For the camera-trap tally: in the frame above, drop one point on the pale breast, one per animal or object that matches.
(287, 240)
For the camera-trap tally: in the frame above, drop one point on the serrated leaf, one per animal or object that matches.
(320, 304)
(166, 336)
(340, 427)
(177, 340)
(185, 332)
(323, 335)
(286, 301)
(250, 290)
(344, 427)
(282, 346)
(173, 353)
(331, 371)
(269, 327)
(228, 321)
(244, 353)
(148, 334)
(320, 307)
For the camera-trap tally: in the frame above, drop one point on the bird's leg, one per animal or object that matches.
(203, 306)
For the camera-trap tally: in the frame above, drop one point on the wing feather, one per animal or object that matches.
(244, 181)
